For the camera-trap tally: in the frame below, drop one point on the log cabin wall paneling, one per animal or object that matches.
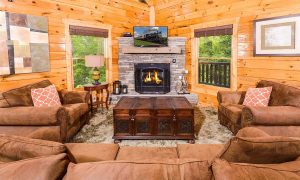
(121, 14)
(179, 15)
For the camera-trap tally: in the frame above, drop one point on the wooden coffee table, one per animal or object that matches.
(153, 118)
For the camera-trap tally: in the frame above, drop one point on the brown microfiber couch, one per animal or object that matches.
(254, 154)
(19, 117)
(282, 116)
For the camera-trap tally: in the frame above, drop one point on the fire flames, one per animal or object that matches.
(154, 78)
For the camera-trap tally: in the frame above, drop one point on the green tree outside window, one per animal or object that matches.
(83, 46)
(215, 48)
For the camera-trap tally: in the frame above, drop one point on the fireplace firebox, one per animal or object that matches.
(152, 78)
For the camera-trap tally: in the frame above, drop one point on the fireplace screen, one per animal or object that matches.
(152, 78)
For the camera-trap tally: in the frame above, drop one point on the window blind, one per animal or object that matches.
(88, 31)
(214, 31)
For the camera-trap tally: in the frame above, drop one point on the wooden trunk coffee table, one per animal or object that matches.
(153, 118)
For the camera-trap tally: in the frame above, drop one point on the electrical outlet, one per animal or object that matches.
(174, 60)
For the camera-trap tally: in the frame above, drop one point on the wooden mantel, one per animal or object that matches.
(152, 50)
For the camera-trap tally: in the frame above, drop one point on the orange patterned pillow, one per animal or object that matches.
(258, 97)
(45, 97)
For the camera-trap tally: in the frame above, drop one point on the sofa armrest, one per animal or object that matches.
(73, 97)
(271, 116)
(236, 97)
(32, 116)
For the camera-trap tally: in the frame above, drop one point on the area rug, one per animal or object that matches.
(208, 130)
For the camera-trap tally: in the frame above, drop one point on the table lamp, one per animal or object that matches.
(95, 61)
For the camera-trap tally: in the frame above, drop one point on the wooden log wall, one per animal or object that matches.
(179, 15)
(121, 14)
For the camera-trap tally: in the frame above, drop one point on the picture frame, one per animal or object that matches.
(24, 41)
(277, 36)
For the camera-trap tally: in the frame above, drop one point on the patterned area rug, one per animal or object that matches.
(207, 130)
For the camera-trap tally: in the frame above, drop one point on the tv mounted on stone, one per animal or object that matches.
(150, 36)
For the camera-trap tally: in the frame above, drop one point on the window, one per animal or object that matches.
(81, 47)
(87, 41)
(214, 58)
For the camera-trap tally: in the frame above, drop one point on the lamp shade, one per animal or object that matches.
(94, 61)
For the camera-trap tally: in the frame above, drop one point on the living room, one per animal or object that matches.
(149, 89)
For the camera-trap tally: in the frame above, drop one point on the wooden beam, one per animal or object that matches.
(152, 16)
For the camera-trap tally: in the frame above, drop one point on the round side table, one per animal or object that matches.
(99, 91)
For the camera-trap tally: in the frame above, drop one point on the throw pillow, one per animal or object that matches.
(261, 150)
(45, 97)
(236, 171)
(258, 97)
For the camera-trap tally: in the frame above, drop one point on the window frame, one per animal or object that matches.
(107, 49)
(210, 89)
(207, 58)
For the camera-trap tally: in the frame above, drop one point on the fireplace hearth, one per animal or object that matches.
(152, 78)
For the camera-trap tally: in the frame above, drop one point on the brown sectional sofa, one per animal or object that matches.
(258, 155)
(282, 116)
(20, 117)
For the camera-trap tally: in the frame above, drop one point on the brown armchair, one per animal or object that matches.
(282, 116)
(19, 117)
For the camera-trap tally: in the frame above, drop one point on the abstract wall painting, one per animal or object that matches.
(24, 44)
(278, 36)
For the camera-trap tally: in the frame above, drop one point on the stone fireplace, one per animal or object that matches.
(130, 57)
(152, 78)
(146, 70)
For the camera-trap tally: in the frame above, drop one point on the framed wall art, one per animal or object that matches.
(24, 44)
(279, 36)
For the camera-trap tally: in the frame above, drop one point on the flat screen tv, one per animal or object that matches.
(150, 36)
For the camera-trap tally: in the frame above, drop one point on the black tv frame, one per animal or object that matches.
(152, 26)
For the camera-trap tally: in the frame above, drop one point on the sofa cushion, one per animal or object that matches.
(74, 97)
(14, 148)
(199, 151)
(51, 133)
(147, 170)
(287, 131)
(258, 97)
(282, 95)
(51, 167)
(75, 111)
(3, 102)
(31, 116)
(252, 132)
(84, 152)
(22, 96)
(231, 111)
(141, 153)
(236, 171)
(45, 97)
(261, 150)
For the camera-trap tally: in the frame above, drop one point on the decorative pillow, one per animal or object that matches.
(45, 97)
(258, 97)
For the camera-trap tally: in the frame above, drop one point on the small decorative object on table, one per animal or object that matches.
(99, 90)
(181, 85)
(117, 87)
(124, 89)
(95, 61)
